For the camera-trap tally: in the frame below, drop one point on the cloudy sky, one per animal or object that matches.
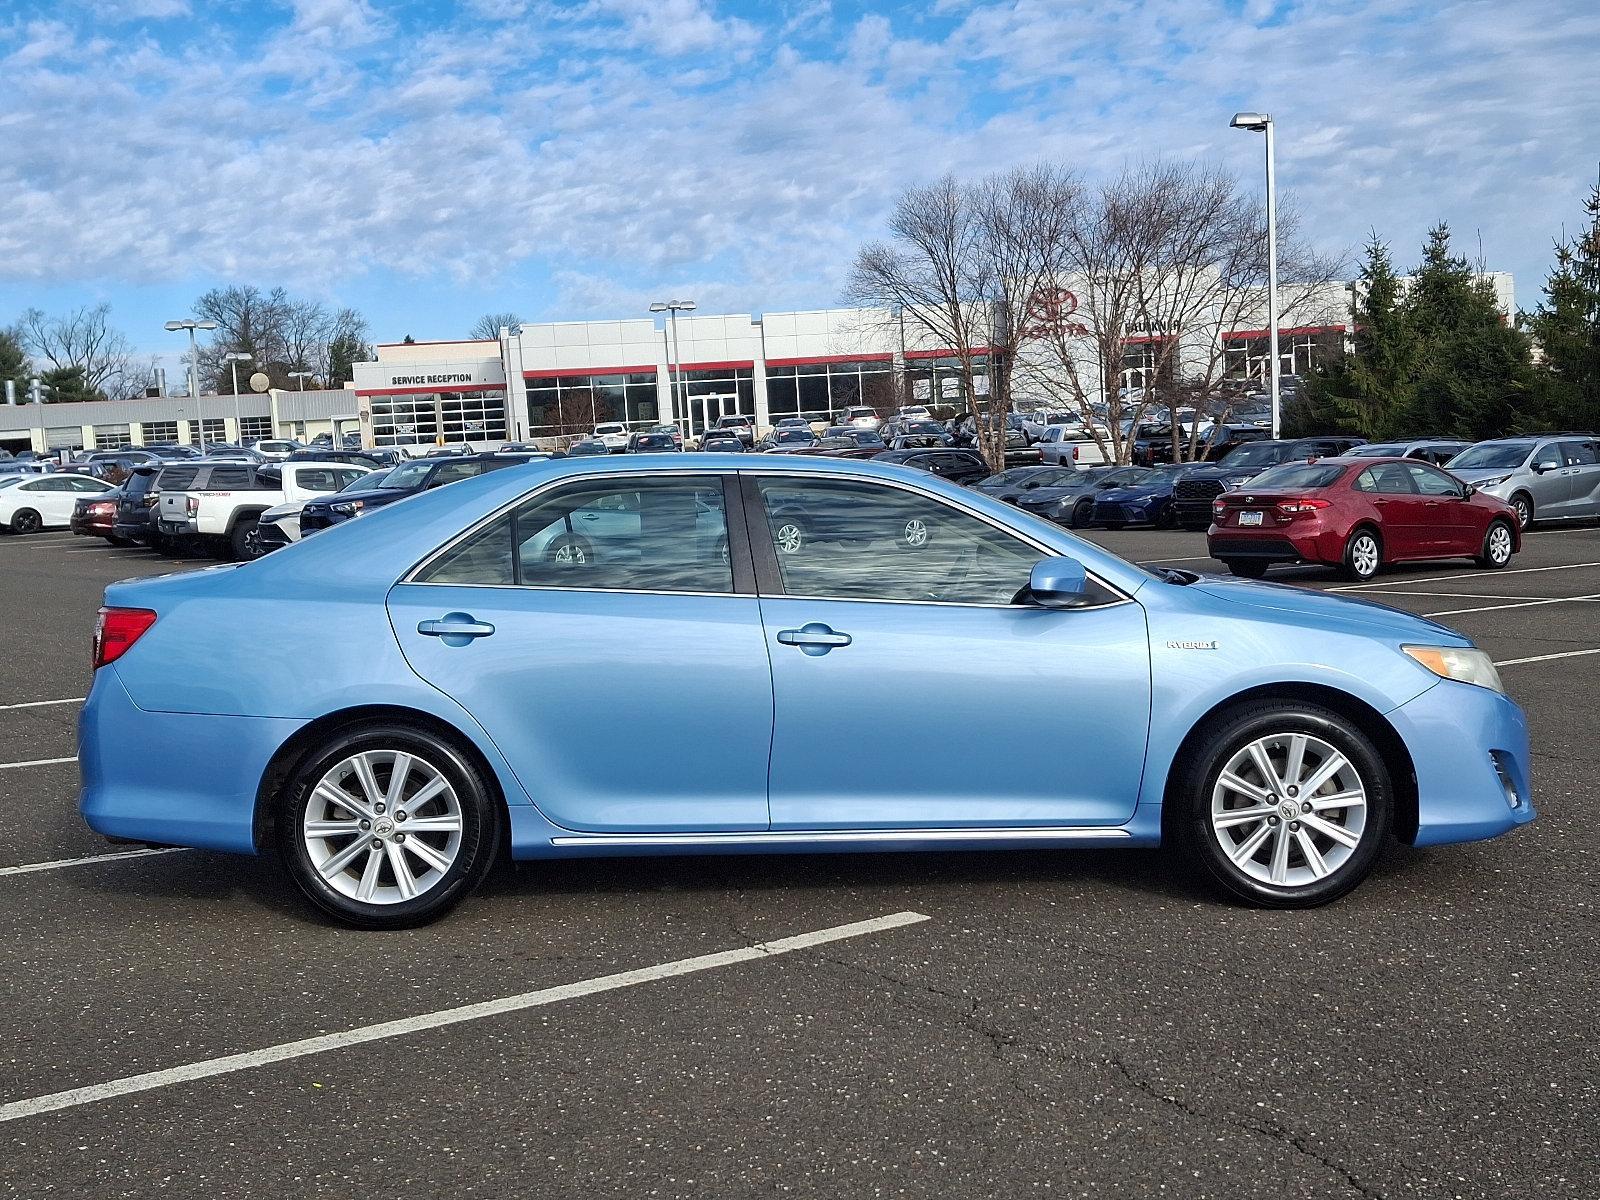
(428, 162)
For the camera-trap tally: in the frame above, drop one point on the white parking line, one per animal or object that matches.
(207, 1068)
(1517, 662)
(37, 762)
(1355, 587)
(1456, 612)
(43, 703)
(1144, 562)
(1463, 595)
(89, 860)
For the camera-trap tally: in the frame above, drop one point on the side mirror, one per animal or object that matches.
(1468, 491)
(1058, 583)
(1545, 464)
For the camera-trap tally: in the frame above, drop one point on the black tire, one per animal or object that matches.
(1360, 563)
(1230, 733)
(1192, 527)
(1498, 541)
(481, 819)
(162, 545)
(1522, 503)
(570, 550)
(1082, 514)
(1167, 520)
(1246, 568)
(25, 521)
(240, 540)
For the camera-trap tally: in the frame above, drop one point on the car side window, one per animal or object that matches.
(1579, 454)
(1390, 479)
(851, 540)
(1431, 482)
(649, 535)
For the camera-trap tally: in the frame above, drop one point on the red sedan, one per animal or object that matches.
(1358, 514)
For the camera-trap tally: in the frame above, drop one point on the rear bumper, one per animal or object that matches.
(1263, 547)
(187, 527)
(1461, 739)
(171, 778)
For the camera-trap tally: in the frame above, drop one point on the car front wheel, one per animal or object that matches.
(1496, 547)
(387, 827)
(1287, 805)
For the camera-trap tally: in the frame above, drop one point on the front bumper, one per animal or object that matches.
(1456, 734)
(1127, 514)
(174, 779)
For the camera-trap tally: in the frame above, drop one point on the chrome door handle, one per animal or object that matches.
(814, 638)
(455, 625)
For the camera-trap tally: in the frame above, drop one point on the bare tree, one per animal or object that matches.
(281, 334)
(958, 271)
(84, 343)
(487, 327)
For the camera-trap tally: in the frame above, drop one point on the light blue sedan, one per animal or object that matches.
(534, 659)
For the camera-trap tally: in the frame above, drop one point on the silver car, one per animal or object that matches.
(1544, 476)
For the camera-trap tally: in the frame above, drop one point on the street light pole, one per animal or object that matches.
(234, 358)
(191, 325)
(1262, 123)
(680, 401)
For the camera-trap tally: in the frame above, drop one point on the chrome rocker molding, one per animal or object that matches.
(1049, 833)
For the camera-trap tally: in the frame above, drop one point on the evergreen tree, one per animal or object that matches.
(1370, 390)
(68, 385)
(13, 364)
(1472, 371)
(1567, 329)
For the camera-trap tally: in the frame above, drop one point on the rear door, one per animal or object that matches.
(603, 677)
(1582, 458)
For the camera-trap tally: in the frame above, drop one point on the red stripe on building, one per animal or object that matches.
(573, 372)
(976, 352)
(1297, 331)
(735, 365)
(829, 358)
(426, 389)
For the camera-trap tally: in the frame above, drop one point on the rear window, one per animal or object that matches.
(176, 479)
(1298, 477)
(230, 478)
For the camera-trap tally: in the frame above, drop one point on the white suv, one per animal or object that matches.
(614, 434)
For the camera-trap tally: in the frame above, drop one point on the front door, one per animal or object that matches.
(1449, 527)
(1401, 511)
(620, 671)
(909, 689)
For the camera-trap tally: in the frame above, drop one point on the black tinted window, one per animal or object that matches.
(176, 479)
(228, 478)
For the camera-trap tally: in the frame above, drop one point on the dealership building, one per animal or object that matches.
(561, 379)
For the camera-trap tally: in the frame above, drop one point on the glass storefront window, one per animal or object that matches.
(573, 405)
(820, 391)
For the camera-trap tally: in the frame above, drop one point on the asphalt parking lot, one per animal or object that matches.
(1060, 1023)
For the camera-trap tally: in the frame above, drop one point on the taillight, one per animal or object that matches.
(1303, 505)
(191, 505)
(116, 629)
(1074, 454)
(1219, 506)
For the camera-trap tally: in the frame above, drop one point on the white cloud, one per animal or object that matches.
(616, 148)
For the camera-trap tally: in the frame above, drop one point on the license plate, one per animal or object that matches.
(1249, 518)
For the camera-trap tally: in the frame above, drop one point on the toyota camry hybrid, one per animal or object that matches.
(521, 663)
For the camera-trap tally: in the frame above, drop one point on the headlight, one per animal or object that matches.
(1492, 481)
(348, 508)
(1464, 664)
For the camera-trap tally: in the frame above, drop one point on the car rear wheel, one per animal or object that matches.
(569, 550)
(25, 520)
(387, 826)
(1287, 805)
(244, 543)
(1246, 568)
(1363, 555)
(1497, 547)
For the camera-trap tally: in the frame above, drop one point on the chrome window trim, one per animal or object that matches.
(409, 577)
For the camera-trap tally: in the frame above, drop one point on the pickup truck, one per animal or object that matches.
(220, 502)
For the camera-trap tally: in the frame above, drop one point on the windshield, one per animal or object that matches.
(1493, 454)
(1129, 476)
(792, 435)
(1297, 477)
(409, 474)
(1255, 454)
(368, 482)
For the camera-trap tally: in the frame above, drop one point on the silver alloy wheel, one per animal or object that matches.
(916, 532)
(569, 552)
(1499, 545)
(1364, 555)
(1289, 809)
(1523, 509)
(382, 826)
(789, 537)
